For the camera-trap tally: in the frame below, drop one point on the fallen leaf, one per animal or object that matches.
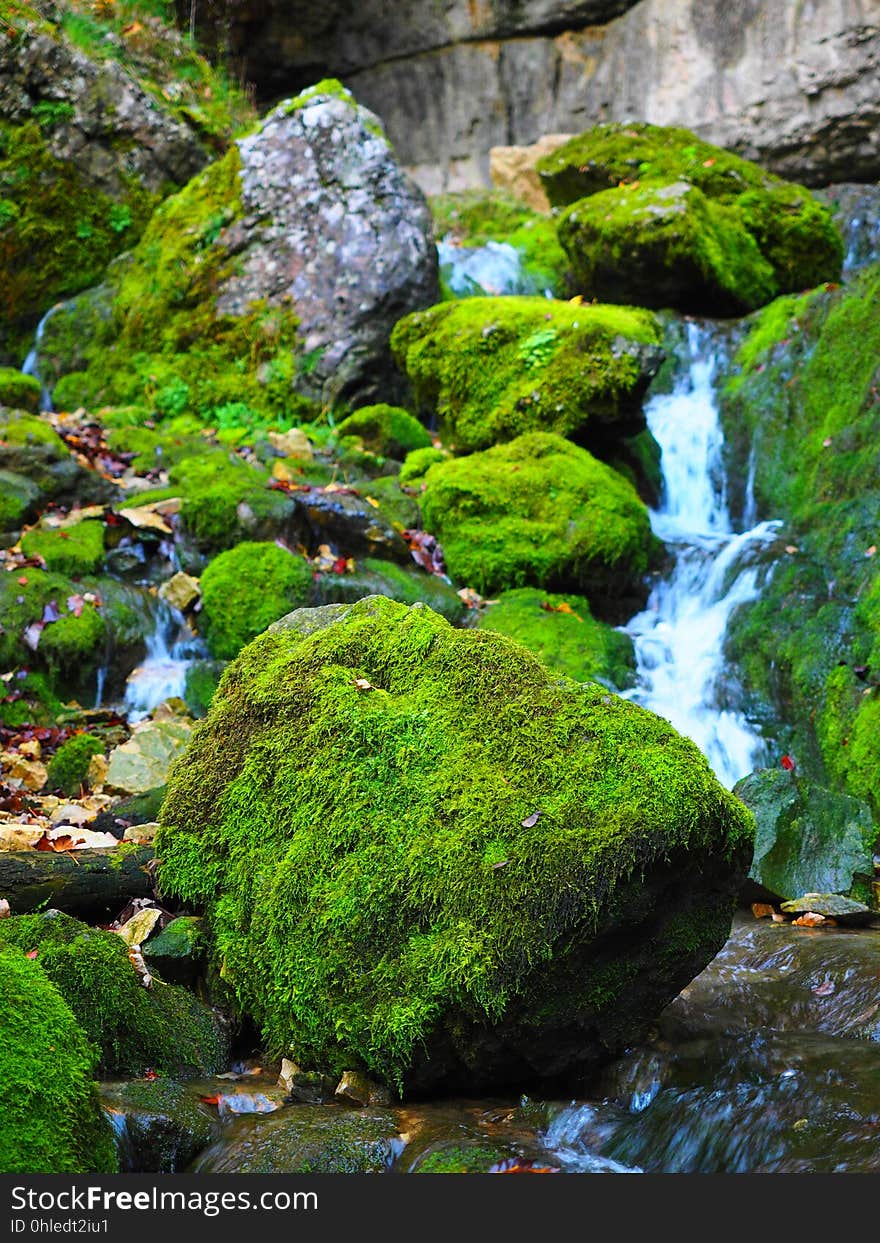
(372, 501)
(872, 551)
(787, 763)
(778, 918)
(145, 517)
(519, 1165)
(363, 685)
(791, 548)
(31, 636)
(23, 581)
(5, 908)
(32, 954)
(810, 920)
(564, 607)
(502, 864)
(136, 958)
(531, 821)
(761, 910)
(75, 605)
(825, 989)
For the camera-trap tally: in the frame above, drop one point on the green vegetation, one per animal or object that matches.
(69, 648)
(657, 217)
(363, 855)
(804, 391)
(419, 462)
(52, 1118)
(69, 766)
(539, 512)
(17, 390)
(73, 550)
(387, 430)
(561, 630)
(373, 577)
(164, 1028)
(491, 369)
(247, 588)
(474, 217)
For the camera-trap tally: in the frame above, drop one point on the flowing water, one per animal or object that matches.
(679, 638)
(171, 649)
(31, 365)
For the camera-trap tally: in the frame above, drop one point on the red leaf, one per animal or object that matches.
(32, 954)
(787, 763)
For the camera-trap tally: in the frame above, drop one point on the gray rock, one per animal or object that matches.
(831, 905)
(159, 1125)
(808, 839)
(334, 227)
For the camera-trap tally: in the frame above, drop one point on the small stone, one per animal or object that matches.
(142, 763)
(142, 834)
(181, 591)
(72, 813)
(31, 773)
(829, 906)
(31, 750)
(5, 908)
(310, 1087)
(294, 443)
(98, 767)
(289, 1070)
(356, 1088)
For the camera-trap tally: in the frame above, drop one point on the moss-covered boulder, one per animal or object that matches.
(161, 1125)
(490, 369)
(163, 1028)
(563, 632)
(20, 391)
(387, 430)
(657, 217)
(52, 1121)
(69, 767)
(247, 588)
(801, 401)
(70, 648)
(102, 113)
(422, 853)
(490, 242)
(310, 1139)
(808, 839)
(540, 512)
(248, 297)
(74, 550)
(40, 468)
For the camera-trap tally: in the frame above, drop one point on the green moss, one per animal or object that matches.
(665, 245)
(490, 369)
(68, 648)
(539, 512)
(74, 550)
(462, 1159)
(419, 462)
(247, 588)
(804, 396)
(344, 842)
(29, 700)
(24, 431)
(661, 218)
(474, 217)
(18, 498)
(69, 766)
(164, 347)
(163, 1028)
(398, 505)
(387, 430)
(372, 577)
(202, 678)
(153, 449)
(18, 390)
(52, 1118)
(561, 630)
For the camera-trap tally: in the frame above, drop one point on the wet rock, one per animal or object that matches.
(309, 1139)
(181, 591)
(347, 522)
(808, 838)
(310, 1087)
(158, 1124)
(30, 449)
(513, 168)
(356, 1088)
(831, 906)
(142, 763)
(178, 951)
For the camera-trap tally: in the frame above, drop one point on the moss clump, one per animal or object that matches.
(52, 1118)
(20, 391)
(75, 550)
(18, 498)
(561, 630)
(163, 1028)
(454, 1158)
(382, 578)
(69, 766)
(490, 369)
(387, 430)
(539, 512)
(659, 218)
(24, 431)
(68, 649)
(377, 886)
(247, 588)
(475, 218)
(29, 700)
(419, 462)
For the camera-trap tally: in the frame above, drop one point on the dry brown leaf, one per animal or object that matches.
(810, 920)
(761, 910)
(363, 685)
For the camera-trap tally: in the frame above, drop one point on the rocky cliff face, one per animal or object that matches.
(791, 83)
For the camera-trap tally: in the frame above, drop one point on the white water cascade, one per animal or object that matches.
(31, 365)
(171, 649)
(679, 638)
(495, 268)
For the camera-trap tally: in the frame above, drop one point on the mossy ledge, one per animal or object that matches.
(422, 853)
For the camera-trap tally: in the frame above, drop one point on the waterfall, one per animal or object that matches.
(171, 649)
(31, 365)
(679, 638)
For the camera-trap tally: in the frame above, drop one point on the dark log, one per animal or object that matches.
(93, 884)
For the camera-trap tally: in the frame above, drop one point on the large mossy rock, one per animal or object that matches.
(100, 116)
(37, 467)
(163, 1028)
(808, 839)
(247, 588)
(490, 369)
(278, 271)
(659, 218)
(51, 1121)
(309, 1139)
(540, 512)
(800, 402)
(421, 852)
